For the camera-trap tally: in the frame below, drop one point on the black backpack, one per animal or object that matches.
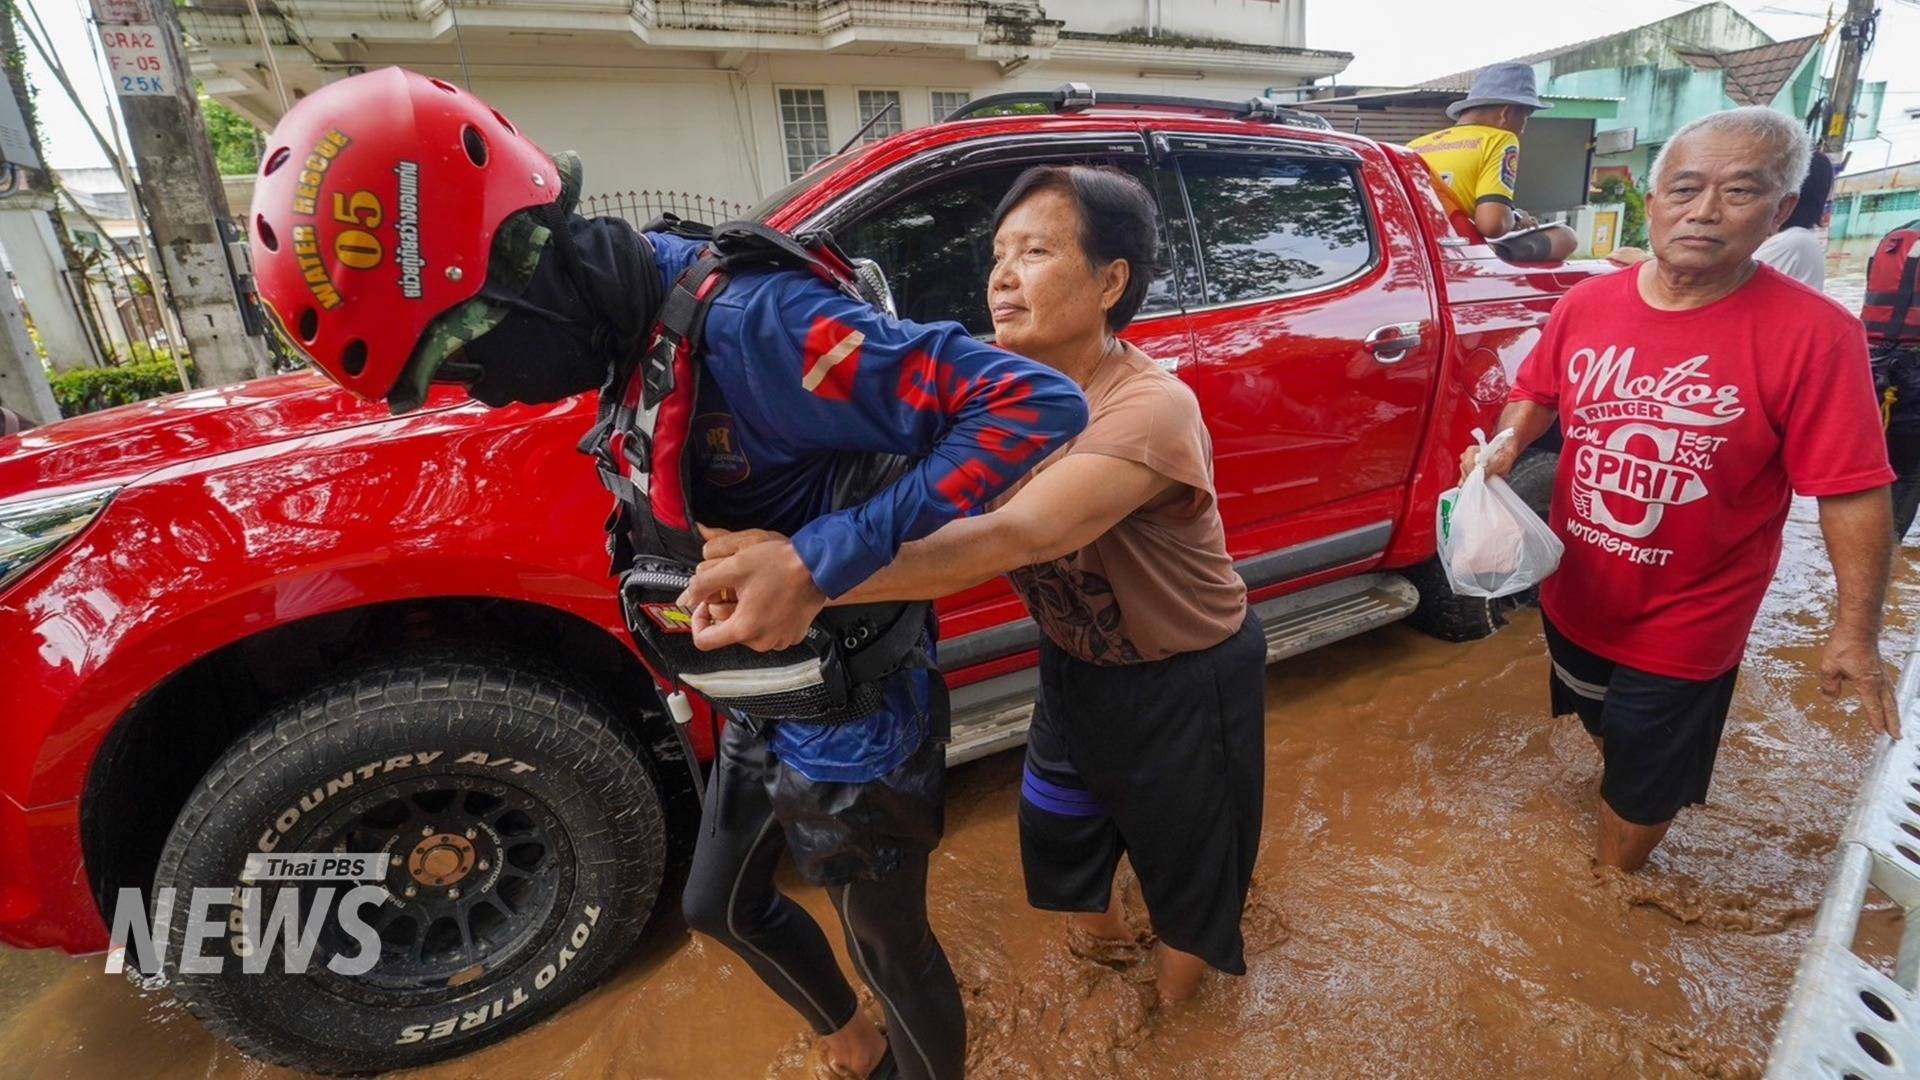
(643, 445)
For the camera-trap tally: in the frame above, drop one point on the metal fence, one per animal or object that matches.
(1845, 1019)
(116, 317)
(640, 207)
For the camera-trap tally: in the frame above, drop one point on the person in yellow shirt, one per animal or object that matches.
(1478, 161)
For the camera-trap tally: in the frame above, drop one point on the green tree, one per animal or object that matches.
(236, 143)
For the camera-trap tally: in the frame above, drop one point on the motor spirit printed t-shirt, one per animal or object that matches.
(1160, 581)
(1685, 434)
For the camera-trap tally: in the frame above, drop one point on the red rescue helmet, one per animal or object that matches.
(375, 208)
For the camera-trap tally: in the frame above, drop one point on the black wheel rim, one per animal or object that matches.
(479, 874)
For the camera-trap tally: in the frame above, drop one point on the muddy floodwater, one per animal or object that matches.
(1424, 905)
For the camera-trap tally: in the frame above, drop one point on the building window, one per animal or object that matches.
(872, 104)
(946, 101)
(1883, 201)
(803, 122)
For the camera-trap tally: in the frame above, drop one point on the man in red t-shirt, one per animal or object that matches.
(1695, 393)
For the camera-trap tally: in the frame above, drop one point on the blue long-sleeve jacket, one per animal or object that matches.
(799, 380)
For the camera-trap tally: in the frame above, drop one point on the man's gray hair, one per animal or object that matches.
(1789, 148)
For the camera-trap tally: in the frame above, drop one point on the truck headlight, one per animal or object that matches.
(32, 529)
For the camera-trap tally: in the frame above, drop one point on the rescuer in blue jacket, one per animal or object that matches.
(816, 415)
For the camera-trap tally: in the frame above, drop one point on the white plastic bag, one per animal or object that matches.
(1491, 543)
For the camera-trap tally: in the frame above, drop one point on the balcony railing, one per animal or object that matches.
(640, 207)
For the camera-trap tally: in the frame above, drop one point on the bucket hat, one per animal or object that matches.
(1507, 83)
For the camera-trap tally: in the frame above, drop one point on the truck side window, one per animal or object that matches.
(1268, 226)
(936, 245)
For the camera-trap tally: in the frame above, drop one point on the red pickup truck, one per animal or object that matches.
(218, 608)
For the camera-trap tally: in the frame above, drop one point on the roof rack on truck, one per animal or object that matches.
(1079, 97)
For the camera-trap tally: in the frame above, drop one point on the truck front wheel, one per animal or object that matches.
(1451, 617)
(520, 845)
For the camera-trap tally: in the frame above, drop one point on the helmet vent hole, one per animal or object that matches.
(505, 123)
(309, 325)
(353, 358)
(444, 85)
(275, 160)
(475, 144)
(267, 238)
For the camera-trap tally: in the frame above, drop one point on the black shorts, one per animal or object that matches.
(1659, 734)
(1163, 761)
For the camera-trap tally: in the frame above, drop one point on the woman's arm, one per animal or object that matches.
(1065, 508)
(1062, 510)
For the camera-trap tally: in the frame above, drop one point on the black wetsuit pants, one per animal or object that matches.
(1903, 452)
(731, 898)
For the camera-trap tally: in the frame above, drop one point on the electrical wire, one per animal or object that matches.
(466, 74)
(266, 47)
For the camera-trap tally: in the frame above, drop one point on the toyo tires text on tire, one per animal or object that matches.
(1451, 617)
(522, 847)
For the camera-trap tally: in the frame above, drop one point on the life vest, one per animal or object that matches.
(643, 445)
(1891, 312)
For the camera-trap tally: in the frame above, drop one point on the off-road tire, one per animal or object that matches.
(1450, 617)
(505, 736)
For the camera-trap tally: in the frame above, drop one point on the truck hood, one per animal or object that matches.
(117, 445)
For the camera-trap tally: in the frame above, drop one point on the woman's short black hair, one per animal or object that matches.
(1813, 193)
(1117, 221)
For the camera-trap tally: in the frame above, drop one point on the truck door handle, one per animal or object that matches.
(1391, 343)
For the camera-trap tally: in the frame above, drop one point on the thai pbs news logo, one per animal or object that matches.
(308, 890)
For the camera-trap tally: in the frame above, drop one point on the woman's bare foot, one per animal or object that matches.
(1115, 952)
(1177, 974)
(1103, 937)
(1104, 924)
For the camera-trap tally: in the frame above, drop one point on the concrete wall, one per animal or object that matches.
(1712, 27)
(1659, 93)
(1249, 22)
(1654, 101)
(33, 253)
(1639, 161)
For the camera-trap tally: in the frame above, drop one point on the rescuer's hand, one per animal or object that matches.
(773, 595)
(722, 542)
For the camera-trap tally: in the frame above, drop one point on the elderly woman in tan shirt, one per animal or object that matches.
(1148, 735)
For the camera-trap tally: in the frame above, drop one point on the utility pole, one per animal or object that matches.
(1856, 34)
(147, 64)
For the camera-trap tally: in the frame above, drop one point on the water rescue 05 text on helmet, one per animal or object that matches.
(342, 262)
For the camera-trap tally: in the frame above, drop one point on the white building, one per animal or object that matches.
(734, 98)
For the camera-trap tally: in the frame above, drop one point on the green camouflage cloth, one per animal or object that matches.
(511, 262)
